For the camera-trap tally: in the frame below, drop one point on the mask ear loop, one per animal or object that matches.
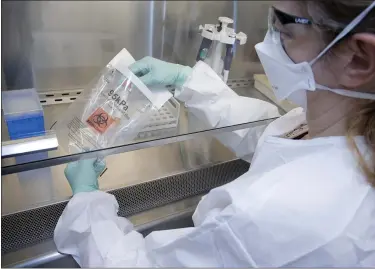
(360, 95)
(346, 31)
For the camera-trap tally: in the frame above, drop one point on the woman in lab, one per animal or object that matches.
(303, 203)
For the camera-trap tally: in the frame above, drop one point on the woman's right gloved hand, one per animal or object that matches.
(156, 72)
(83, 175)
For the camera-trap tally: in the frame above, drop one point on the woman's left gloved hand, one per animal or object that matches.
(83, 175)
(156, 72)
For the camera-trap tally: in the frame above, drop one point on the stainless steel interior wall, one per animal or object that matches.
(53, 45)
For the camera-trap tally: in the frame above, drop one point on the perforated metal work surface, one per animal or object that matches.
(34, 226)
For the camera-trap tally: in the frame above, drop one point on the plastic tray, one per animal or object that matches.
(164, 122)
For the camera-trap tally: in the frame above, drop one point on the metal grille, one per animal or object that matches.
(34, 226)
(240, 82)
(69, 96)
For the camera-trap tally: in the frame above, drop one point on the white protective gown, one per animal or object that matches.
(303, 203)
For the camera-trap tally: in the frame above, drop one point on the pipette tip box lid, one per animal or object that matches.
(23, 113)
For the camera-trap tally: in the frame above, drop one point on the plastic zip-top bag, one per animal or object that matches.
(113, 109)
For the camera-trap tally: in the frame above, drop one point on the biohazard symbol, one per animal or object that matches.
(100, 120)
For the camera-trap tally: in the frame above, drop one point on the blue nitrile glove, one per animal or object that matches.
(83, 175)
(156, 72)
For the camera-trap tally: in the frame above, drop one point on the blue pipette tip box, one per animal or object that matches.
(23, 113)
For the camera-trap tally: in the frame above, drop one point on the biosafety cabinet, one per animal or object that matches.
(50, 51)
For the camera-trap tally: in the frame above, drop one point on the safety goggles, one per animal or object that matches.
(285, 18)
(286, 25)
(281, 23)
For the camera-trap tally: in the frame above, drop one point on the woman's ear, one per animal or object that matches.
(360, 70)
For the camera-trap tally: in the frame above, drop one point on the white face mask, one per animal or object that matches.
(290, 80)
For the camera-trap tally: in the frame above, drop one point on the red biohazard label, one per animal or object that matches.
(100, 120)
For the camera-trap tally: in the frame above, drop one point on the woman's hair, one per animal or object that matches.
(331, 17)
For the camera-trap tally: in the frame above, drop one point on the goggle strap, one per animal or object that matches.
(346, 31)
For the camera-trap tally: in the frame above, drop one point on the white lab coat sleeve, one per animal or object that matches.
(90, 230)
(209, 99)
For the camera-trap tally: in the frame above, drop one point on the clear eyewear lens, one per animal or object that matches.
(274, 34)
